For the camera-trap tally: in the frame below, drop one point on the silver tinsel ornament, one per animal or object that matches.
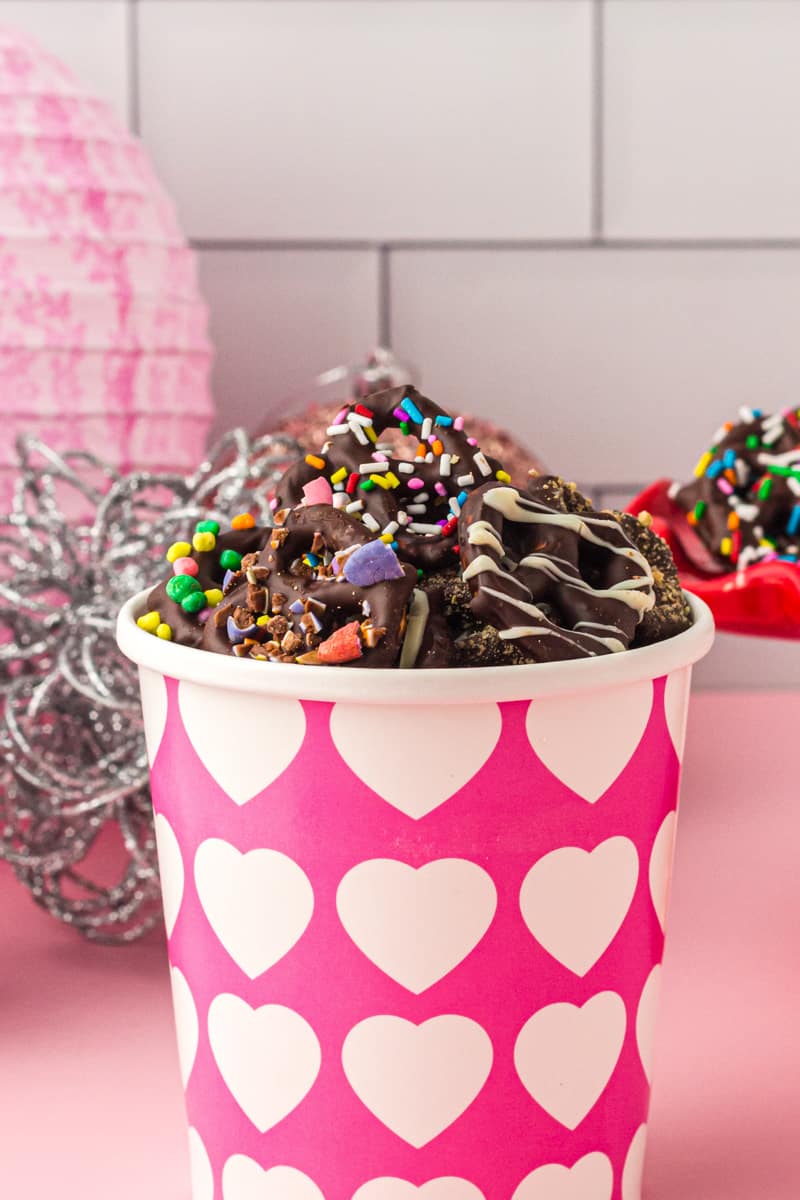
(72, 754)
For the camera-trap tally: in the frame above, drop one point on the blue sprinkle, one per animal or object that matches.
(371, 563)
(462, 498)
(794, 521)
(729, 458)
(714, 470)
(787, 558)
(758, 413)
(393, 546)
(443, 421)
(412, 410)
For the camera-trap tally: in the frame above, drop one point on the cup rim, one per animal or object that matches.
(389, 685)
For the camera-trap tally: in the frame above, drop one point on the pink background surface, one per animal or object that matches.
(86, 1032)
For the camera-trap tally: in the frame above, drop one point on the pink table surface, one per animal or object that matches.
(90, 1096)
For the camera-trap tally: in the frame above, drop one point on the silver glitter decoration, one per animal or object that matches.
(72, 753)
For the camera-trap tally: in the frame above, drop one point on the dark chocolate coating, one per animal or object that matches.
(560, 585)
(428, 551)
(739, 491)
(327, 529)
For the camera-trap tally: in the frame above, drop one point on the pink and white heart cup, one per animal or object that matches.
(415, 918)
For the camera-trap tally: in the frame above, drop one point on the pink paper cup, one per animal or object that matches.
(415, 919)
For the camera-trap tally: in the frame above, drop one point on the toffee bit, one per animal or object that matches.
(249, 561)
(313, 605)
(301, 569)
(317, 543)
(278, 601)
(242, 617)
(279, 518)
(278, 537)
(232, 580)
(257, 598)
(277, 627)
(308, 660)
(291, 642)
(372, 634)
(645, 518)
(240, 650)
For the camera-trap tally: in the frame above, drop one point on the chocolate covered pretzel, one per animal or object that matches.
(416, 501)
(322, 590)
(557, 584)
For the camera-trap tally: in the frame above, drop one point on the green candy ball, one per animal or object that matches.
(231, 560)
(181, 586)
(194, 602)
(207, 527)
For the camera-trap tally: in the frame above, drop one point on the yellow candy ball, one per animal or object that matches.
(204, 542)
(150, 621)
(214, 596)
(178, 550)
(164, 631)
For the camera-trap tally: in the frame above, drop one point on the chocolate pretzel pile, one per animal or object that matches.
(427, 560)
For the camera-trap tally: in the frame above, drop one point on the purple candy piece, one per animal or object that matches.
(236, 635)
(228, 577)
(371, 563)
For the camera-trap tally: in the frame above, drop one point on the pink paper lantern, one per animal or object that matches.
(103, 342)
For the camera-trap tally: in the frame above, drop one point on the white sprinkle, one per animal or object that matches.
(355, 418)
(425, 431)
(455, 507)
(480, 462)
(403, 517)
(372, 468)
(428, 457)
(444, 464)
(355, 506)
(392, 527)
(358, 432)
(421, 497)
(416, 508)
(405, 468)
(370, 522)
(465, 480)
(338, 487)
(335, 430)
(340, 499)
(416, 527)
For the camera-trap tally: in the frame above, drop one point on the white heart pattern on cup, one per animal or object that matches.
(417, 1079)
(565, 1055)
(676, 707)
(419, 781)
(574, 901)
(660, 872)
(154, 710)
(200, 1168)
(591, 1178)
(416, 925)
(447, 1188)
(646, 1020)
(243, 746)
(170, 867)
(269, 1057)
(586, 741)
(244, 1179)
(633, 1170)
(258, 904)
(187, 1024)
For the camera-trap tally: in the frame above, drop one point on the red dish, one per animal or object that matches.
(762, 601)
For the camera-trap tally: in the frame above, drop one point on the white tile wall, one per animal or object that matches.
(379, 120)
(616, 364)
(702, 115)
(304, 312)
(582, 218)
(90, 36)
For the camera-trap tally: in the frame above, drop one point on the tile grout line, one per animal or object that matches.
(598, 120)
(385, 295)
(132, 40)
(603, 245)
